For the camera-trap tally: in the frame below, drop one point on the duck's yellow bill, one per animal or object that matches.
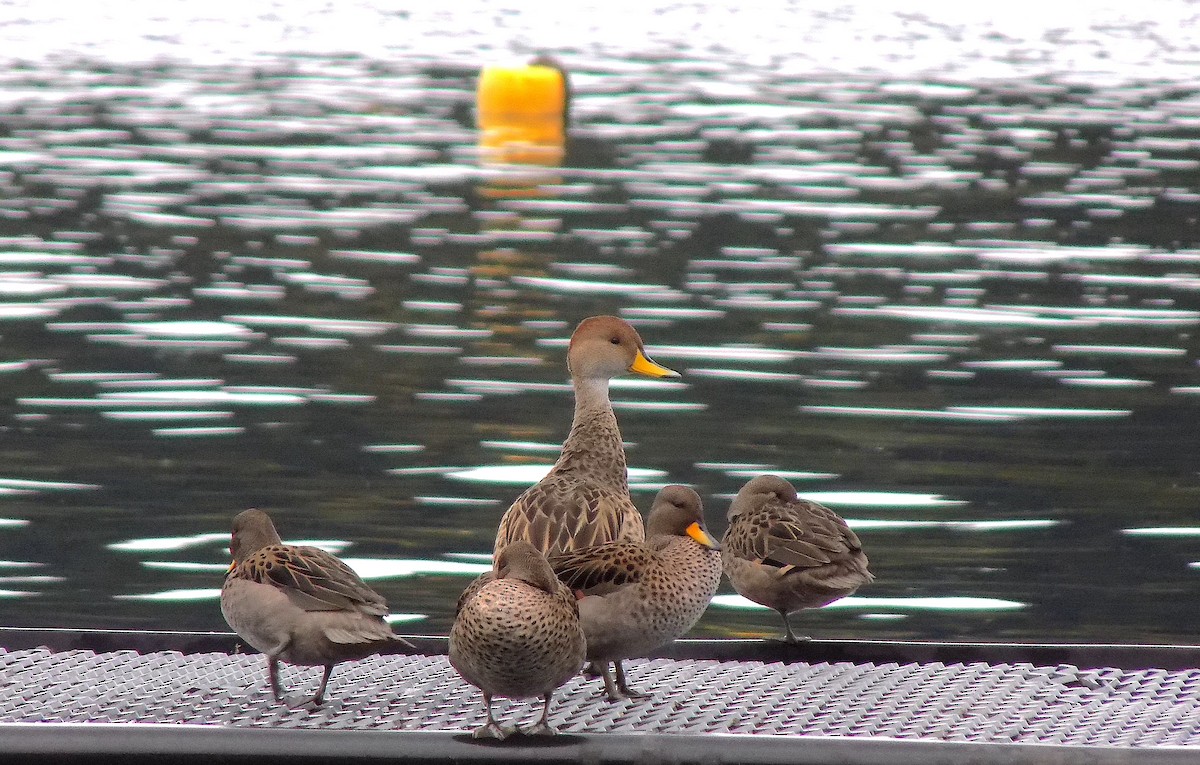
(644, 366)
(697, 532)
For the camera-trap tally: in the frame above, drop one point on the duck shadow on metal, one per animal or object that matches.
(520, 739)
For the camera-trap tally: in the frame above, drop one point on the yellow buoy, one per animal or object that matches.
(522, 112)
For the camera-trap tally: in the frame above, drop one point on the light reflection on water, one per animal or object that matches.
(181, 595)
(948, 288)
(901, 604)
(1011, 525)
(527, 475)
(879, 499)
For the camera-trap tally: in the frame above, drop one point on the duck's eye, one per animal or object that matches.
(615, 340)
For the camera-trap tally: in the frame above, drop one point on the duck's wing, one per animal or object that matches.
(601, 569)
(312, 579)
(560, 515)
(799, 534)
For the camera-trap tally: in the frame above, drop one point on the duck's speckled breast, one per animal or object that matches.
(666, 603)
(515, 640)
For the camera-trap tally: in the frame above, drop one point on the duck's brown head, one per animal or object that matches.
(760, 490)
(677, 511)
(252, 531)
(521, 560)
(606, 346)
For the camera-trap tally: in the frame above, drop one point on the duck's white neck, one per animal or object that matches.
(594, 444)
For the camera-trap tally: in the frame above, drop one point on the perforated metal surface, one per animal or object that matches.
(976, 702)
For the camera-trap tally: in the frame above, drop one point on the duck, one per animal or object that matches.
(516, 633)
(638, 595)
(300, 604)
(789, 553)
(584, 500)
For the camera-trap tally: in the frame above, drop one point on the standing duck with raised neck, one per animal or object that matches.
(584, 499)
(516, 633)
(637, 596)
(300, 604)
(789, 553)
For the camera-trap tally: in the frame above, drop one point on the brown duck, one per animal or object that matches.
(639, 595)
(788, 553)
(299, 604)
(584, 499)
(516, 633)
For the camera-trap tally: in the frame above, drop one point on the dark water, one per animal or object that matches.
(941, 272)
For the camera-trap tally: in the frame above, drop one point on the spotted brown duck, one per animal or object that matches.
(788, 553)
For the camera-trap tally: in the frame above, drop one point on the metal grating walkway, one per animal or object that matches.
(762, 710)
